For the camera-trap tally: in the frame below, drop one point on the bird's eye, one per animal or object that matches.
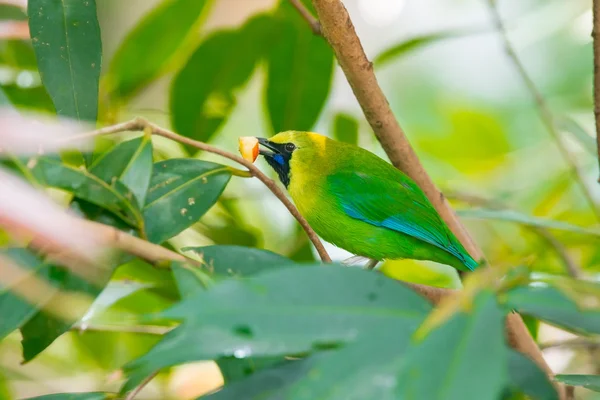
(289, 147)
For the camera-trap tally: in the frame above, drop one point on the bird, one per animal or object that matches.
(356, 201)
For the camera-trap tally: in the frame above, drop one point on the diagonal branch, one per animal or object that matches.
(544, 111)
(140, 124)
(339, 31)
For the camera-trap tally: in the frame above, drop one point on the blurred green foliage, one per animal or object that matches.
(277, 323)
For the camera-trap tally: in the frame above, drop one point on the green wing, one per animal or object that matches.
(397, 205)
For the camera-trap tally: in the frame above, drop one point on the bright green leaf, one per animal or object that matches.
(203, 93)
(44, 328)
(181, 191)
(155, 45)
(16, 311)
(403, 48)
(591, 382)
(466, 358)
(116, 199)
(129, 162)
(527, 378)
(345, 128)
(516, 217)
(66, 40)
(300, 71)
(283, 311)
(549, 304)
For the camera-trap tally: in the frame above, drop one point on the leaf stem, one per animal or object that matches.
(544, 111)
(314, 24)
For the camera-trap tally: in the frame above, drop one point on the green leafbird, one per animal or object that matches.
(360, 203)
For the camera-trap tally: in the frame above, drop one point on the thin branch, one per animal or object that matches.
(141, 329)
(571, 266)
(337, 28)
(131, 395)
(596, 38)
(140, 124)
(576, 342)
(544, 111)
(314, 24)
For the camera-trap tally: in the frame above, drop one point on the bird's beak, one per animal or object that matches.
(269, 145)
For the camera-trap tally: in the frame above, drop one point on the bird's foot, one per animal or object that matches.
(372, 264)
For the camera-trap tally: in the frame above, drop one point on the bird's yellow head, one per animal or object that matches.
(302, 147)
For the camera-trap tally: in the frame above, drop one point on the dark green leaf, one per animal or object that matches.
(148, 52)
(14, 310)
(466, 358)
(226, 261)
(200, 106)
(513, 216)
(549, 304)
(591, 382)
(283, 311)
(118, 199)
(43, 328)
(415, 43)
(527, 378)
(300, 70)
(345, 128)
(238, 260)
(66, 40)
(75, 396)
(181, 191)
(271, 382)
(129, 162)
(586, 140)
(235, 369)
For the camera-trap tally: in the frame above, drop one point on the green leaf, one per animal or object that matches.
(66, 40)
(403, 48)
(148, 52)
(272, 382)
(527, 378)
(129, 162)
(283, 311)
(181, 191)
(345, 128)
(199, 106)
(226, 261)
(516, 217)
(237, 260)
(16, 311)
(300, 71)
(75, 396)
(235, 369)
(466, 358)
(43, 328)
(591, 382)
(549, 304)
(586, 140)
(118, 199)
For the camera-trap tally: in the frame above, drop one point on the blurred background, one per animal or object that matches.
(469, 115)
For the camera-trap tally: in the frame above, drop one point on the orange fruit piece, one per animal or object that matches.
(248, 147)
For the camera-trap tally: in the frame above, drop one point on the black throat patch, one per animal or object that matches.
(280, 160)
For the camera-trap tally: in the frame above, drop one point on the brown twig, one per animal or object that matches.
(306, 14)
(576, 342)
(337, 28)
(140, 124)
(544, 111)
(596, 39)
